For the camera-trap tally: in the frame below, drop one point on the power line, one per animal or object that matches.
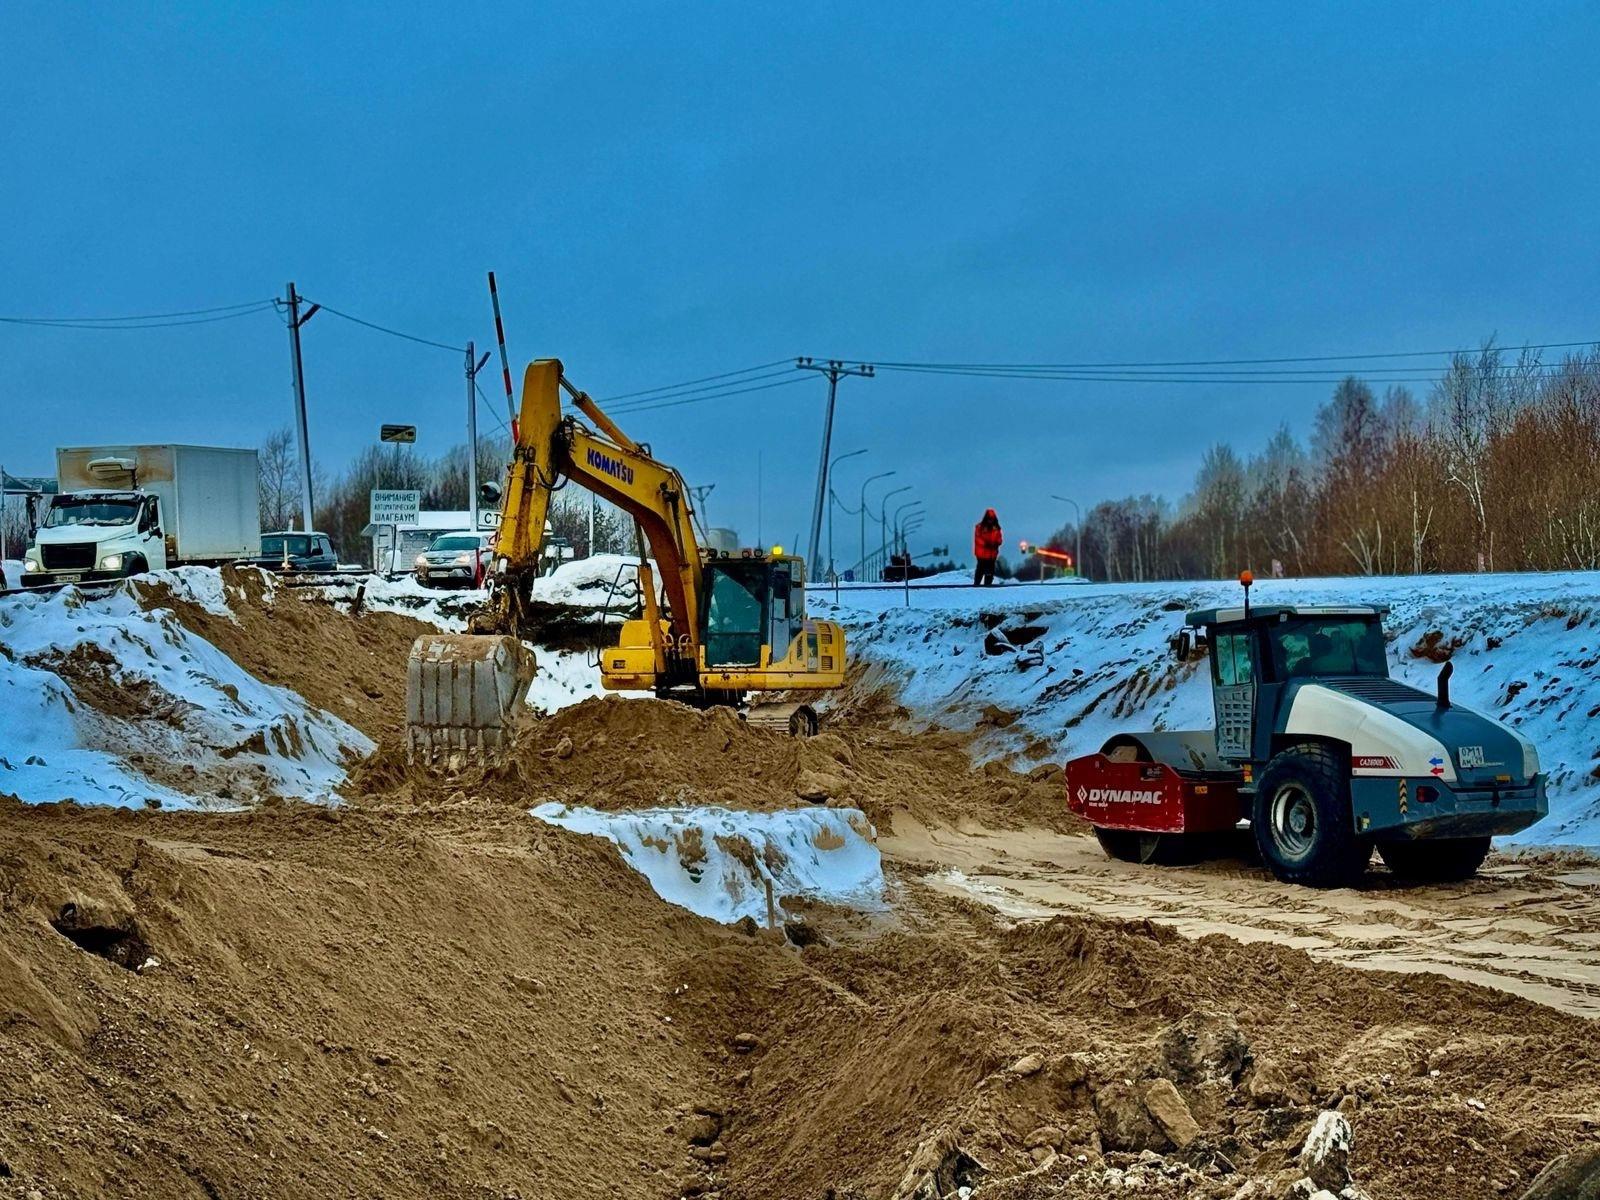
(672, 387)
(1542, 371)
(1229, 362)
(410, 337)
(150, 321)
(498, 418)
(711, 391)
(673, 403)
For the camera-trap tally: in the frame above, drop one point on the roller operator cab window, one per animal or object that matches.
(1230, 657)
(1311, 646)
(735, 615)
(76, 510)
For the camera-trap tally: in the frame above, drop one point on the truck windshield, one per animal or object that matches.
(274, 546)
(1303, 646)
(87, 510)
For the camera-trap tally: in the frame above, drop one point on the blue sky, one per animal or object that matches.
(671, 191)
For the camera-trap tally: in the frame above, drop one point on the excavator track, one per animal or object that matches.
(795, 719)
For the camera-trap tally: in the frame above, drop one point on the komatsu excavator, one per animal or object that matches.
(732, 624)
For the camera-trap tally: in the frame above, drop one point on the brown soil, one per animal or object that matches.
(613, 753)
(297, 1002)
(353, 667)
(428, 994)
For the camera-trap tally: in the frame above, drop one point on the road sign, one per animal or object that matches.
(398, 433)
(394, 507)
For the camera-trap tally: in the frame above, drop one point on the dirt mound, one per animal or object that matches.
(613, 753)
(354, 666)
(1072, 1048)
(302, 1002)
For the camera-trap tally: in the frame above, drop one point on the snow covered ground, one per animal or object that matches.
(104, 702)
(1095, 661)
(726, 864)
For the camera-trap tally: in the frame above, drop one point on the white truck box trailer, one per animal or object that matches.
(122, 510)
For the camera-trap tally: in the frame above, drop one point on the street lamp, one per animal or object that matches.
(913, 523)
(1077, 516)
(831, 466)
(898, 511)
(864, 482)
(883, 511)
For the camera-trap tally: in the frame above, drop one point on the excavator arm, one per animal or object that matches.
(615, 468)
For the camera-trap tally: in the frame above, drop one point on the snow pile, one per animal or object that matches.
(727, 864)
(11, 569)
(1055, 674)
(107, 703)
(593, 582)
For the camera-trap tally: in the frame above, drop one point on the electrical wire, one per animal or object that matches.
(689, 383)
(490, 408)
(410, 337)
(1511, 371)
(732, 387)
(674, 403)
(1227, 362)
(150, 321)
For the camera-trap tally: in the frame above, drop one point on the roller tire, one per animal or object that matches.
(1437, 860)
(1302, 819)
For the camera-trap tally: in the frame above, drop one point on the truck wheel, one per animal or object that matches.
(1302, 820)
(1438, 860)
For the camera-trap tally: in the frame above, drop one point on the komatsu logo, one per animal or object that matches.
(616, 468)
(1117, 796)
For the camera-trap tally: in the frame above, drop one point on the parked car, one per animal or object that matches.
(459, 558)
(295, 553)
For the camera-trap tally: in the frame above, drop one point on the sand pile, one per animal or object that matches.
(612, 753)
(1077, 1055)
(352, 666)
(461, 1002)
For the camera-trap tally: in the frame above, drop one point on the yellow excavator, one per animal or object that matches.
(726, 626)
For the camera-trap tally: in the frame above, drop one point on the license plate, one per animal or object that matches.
(69, 578)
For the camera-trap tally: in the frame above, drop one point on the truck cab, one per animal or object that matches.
(1337, 756)
(89, 536)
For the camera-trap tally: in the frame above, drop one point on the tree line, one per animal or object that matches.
(1497, 468)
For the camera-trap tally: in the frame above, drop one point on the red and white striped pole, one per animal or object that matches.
(505, 363)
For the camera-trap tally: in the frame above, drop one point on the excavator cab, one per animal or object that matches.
(755, 608)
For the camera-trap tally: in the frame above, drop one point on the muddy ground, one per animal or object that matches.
(425, 993)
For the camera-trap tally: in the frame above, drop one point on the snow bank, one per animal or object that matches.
(1095, 661)
(106, 703)
(727, 865)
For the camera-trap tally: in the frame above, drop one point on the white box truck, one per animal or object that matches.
(122, 510)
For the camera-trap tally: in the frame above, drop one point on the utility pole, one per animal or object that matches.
(474, 365)
(297, 319)
(834, 370)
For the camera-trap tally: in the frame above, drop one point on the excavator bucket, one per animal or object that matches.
(463, 692)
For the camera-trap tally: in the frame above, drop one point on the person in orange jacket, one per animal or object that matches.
(986, 539)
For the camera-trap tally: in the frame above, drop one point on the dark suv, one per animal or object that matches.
(296, 553)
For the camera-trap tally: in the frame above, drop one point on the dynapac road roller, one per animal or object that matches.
(1320, 751)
